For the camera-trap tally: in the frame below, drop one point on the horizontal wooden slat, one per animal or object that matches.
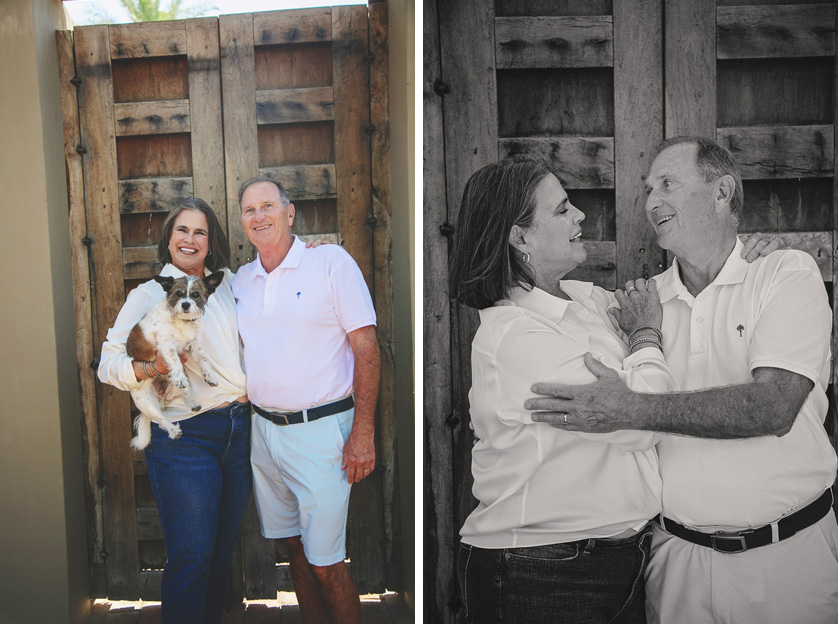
(295, 105)
(578, 162)
(133, 118)
(140, 262)
(153, 194)
(305, 181)
(766, 152)
(292, 26)
(601, 265)
(150, 581)
(584, 41)
(775, 31)
(147, 39)
(148, 524)
(816, 244)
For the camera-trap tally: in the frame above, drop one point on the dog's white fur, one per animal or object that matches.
(171, 330)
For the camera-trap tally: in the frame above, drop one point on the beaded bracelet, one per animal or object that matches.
(649, 340)
(654, 329)
(145, 370)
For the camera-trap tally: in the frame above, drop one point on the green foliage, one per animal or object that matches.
(150, 11)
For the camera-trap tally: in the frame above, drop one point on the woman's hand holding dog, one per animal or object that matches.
(158, 364)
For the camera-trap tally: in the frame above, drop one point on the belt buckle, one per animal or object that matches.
(721, 537)
(279, 415)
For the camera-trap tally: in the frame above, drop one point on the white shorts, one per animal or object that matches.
(298, 483)
(794, 581)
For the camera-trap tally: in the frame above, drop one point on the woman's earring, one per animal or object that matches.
(526, 258)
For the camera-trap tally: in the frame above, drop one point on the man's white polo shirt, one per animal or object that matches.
(772, 313)
(294, 323)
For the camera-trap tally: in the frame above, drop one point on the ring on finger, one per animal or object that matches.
(565, 419)
(630, 290)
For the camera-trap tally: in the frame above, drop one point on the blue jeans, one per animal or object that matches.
(201, 483)
(589, 581)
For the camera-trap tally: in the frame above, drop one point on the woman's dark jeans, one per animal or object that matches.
(584, 582)
(201, 483)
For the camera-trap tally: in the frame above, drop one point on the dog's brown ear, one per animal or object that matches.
(165, 282)
(212, 281)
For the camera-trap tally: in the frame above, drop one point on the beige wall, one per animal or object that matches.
(43, 565)
(402, 147)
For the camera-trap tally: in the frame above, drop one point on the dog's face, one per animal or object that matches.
(186, 297)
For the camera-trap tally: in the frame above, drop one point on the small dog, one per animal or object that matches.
(170, 327)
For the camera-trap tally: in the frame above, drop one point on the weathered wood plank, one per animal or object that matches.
(296, 144)
(259, 557)
(149, 526)
(140, 262)
(293, 67)
(638, 125)
(102, 210)
(552, 7)
(775, 31)
(383, 278)
(294, 105)
(150, 582)
(690, 68)
(292, 26)
(306, 181)
(150, 79)
(351, 83)
(147, 39)
(162, 155)
(83, 309)
(207, 137)
(816, 244)
(600, 266)
(578, 162)
(153, 194)
(132, 118)
(568, 41)
(238, 88)
(781, 151)
(834, 204)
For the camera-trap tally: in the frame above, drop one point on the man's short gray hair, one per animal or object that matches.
(248, 183)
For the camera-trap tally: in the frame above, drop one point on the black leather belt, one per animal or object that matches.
(740, 541)
(295, 418)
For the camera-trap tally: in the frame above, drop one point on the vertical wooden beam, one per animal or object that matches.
(241, 157)
(95, 97)
(638, 128)
(690, 68)
(437, 464)
(83, 309)
(351, 85)
(383, 275)
(834, 376)
(204, 65)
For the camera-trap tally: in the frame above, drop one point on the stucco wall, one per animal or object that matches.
(43, 561)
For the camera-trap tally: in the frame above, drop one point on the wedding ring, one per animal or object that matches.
(630, 290)
(565, 419)
(366, 470)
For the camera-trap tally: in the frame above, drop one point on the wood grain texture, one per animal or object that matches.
(690, 68)
(238, 88)
(437, 464)
(781, 151)
(775, 31)
(787, 205)
(351, 83)
(381, 222)
(833, 426)
(153, 194)
(638, 125)
(150, 79)
(600, 267)
(147, 39)
(83, 310)
(296, 144)
(294, 105)
(524, 42)
(151, 117)
(305, 181)
(163, 155)
(578, 162)
(102, 211)
(207, 138)
(553, 7)
(293, 67)
(140, 262)
(292, 26)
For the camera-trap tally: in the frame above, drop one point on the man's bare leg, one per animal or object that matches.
(306, 586)
(339, 592)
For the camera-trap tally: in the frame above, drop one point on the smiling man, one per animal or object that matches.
(311, 357)
(747, 533)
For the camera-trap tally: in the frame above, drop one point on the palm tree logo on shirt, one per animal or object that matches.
(740, 328)
(298, 295)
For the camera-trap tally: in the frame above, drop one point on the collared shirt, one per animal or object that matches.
(220, 340)
(771, 313)
(536, 484)
(294, 323)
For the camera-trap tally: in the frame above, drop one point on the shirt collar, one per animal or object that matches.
(733, 272)
(291, 260)
(545, 304)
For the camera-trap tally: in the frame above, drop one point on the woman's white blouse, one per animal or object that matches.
(220, 340)
(537, 484)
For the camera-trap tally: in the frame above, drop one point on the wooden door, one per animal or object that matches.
(593, 87)
(157, 112)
